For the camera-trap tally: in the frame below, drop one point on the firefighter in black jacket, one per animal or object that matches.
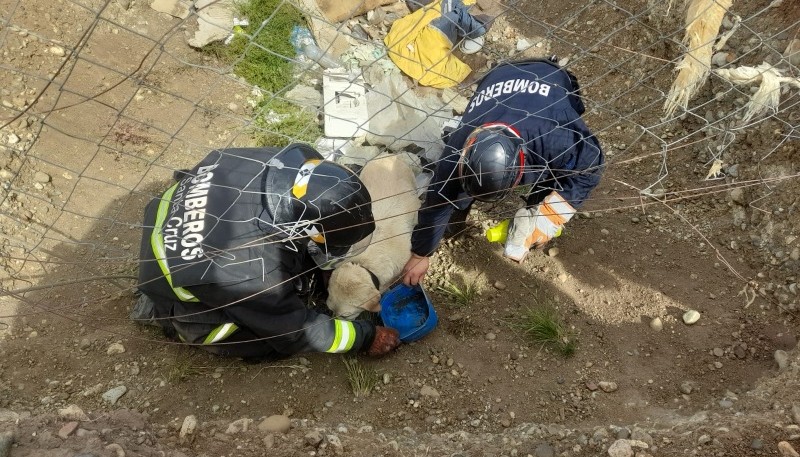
(522, 126)
(222, 249)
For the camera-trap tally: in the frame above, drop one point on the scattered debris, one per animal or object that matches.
(214, 21)
(345, 104)
(768, 96)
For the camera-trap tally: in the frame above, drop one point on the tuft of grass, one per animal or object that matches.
(278, 123)
(362, 379)
(182, 369)
(262, 54)
(461, 296)
(543, 326)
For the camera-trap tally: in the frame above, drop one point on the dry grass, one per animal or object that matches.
(703, 19)
(362, 379)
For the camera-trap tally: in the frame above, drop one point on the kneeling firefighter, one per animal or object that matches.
(522, 126)
(223, 247)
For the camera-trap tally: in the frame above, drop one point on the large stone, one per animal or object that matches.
(620, 448)
(73, 413)
(113, 395)
(188, 428)
(275, 424)
(787, 450)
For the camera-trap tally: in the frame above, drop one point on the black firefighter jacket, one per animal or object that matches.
(220, 274)
(543, 103)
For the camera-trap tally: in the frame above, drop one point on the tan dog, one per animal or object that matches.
(356, 285)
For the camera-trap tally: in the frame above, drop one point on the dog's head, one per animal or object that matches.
(351, 291)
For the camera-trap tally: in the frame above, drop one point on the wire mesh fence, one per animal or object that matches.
(102, 102)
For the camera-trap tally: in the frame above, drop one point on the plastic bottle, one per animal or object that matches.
(325, 60)
(498, 233)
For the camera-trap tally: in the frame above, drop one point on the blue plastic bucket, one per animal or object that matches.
(409, 310)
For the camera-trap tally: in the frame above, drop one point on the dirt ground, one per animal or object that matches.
(109, 127)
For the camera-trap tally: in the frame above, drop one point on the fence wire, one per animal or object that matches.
(103, 101)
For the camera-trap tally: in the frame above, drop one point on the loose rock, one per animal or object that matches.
(239, 426)
(115, 348)
(607, 386)
(787, 450)
(112, 395)
(782, 359)
(620, 448)
(687, 387)
(116, 449)
(500, 285)
(41, 177)
(67, 429)
(313, 438)
(335, 443)
(690, 317)
(552, 252)
(73, 413)
(187, 428)
(704, 439)
(656, 324)
(275, 424)
(428, 391)
(796, 413)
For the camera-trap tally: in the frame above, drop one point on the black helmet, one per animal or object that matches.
(309, 196)
(492, 162)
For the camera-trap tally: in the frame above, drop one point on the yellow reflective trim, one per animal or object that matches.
(337, 324)
(220, 333)
(157, 244)
(345, 336)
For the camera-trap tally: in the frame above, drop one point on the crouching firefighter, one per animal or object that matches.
(223, 247)
(522, 126)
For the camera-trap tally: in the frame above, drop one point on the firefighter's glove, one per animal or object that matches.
(386, 339)
(534, 227)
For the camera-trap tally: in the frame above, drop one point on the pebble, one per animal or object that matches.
(12, 139)
(690, 317)
(523, 44)
(500, 285)
(782, 359)
(620, 448)
(720, 59)
(115, 348)
(335, 443)
(387, 378)
(42, 177)
(607, 386)
(112, 395)
(591, 386)
(796, 413)
(187, 428)
(116, 449)
(313, 438)
(428, 391)
(725, 403)
(491, 336)
(6, 441)
(552, 252)
(239, 426)
(687, 387)
(656, 324)
(73, 413)
(58, 51)
(757, 444)
(562, 277)
(718, 352)
(67, 429)
(275, 424)
(704, 439)
(787, 450)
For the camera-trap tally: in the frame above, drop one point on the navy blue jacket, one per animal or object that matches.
(542, 102)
